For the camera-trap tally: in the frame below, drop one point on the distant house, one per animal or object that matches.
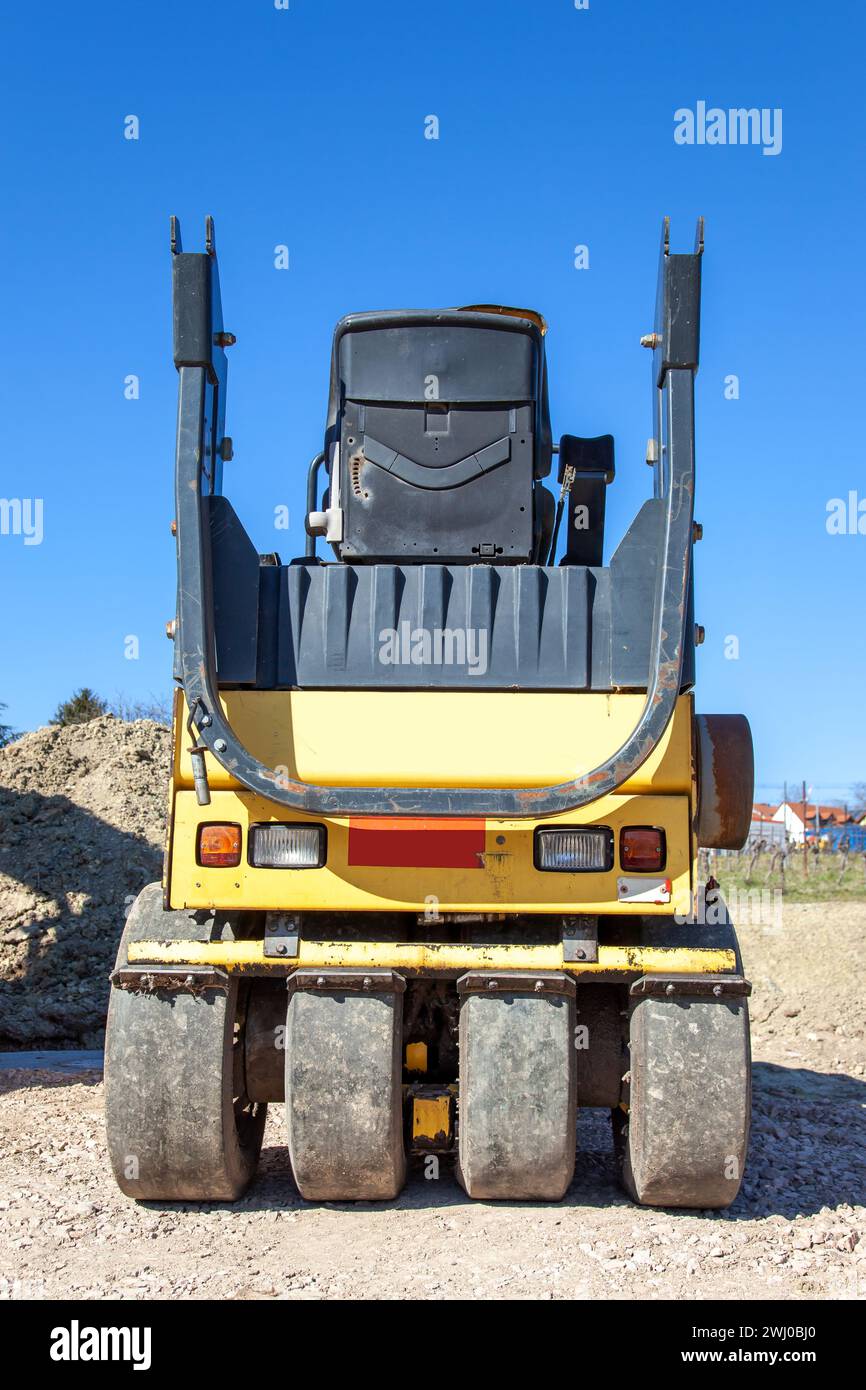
(765, 826)
(819, 820)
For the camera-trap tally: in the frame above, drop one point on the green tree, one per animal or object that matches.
(7, 733)
(80, 708)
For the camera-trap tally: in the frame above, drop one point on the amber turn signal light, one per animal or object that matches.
(219, 846)
(642, 849)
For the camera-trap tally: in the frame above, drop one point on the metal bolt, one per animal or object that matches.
(580, 953)
(670, 989)
(281, 948)
(272, 926)
(717, 991)
(189, 982)
(224, 339)
(173, 528)
(492, 984)
(220, 745)
(171, 629)
(651, 340)
(226, 449)
(697, 531)
(700, 634)
(206, 720)
(368, 983)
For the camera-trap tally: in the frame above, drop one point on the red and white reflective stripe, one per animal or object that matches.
(404, 842)
(643, 890)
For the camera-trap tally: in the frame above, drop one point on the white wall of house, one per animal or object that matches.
(792, 820)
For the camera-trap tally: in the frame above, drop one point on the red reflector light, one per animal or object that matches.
(438, 843)
(219, 846)
(642, 849)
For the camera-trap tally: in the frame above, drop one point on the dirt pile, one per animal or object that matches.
(82, 816)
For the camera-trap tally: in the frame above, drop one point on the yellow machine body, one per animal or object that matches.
(438, 739)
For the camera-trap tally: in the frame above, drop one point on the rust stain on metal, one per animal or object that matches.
(726, 780)
(278, 779)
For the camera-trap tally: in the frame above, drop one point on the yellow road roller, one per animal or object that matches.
(437, 791)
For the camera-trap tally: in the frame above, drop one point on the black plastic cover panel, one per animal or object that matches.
(431, 627)
(436, 626)
(467, 363)
(442, 484)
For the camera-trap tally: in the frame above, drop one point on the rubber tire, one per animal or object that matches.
(344, 1108)
(171, 1122)
(518, 1096)
(684, 1140)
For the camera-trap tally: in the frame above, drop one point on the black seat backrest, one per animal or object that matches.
(438, 427)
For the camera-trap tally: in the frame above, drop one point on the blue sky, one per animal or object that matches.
(305, 127)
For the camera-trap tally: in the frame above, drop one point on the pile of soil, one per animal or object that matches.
(82, 820)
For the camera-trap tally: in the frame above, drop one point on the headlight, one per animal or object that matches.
(287, 846)
(574, 851)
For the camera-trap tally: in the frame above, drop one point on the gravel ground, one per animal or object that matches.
(796, 1230)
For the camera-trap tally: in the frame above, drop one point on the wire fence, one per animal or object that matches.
(818, 868)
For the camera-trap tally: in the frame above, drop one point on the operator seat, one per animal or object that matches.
(437, 438)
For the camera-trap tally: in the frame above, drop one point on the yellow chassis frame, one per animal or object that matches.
(429, 958)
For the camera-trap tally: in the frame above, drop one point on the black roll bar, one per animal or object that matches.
(199, 340)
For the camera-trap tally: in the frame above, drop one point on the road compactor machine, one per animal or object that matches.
(437, 792)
